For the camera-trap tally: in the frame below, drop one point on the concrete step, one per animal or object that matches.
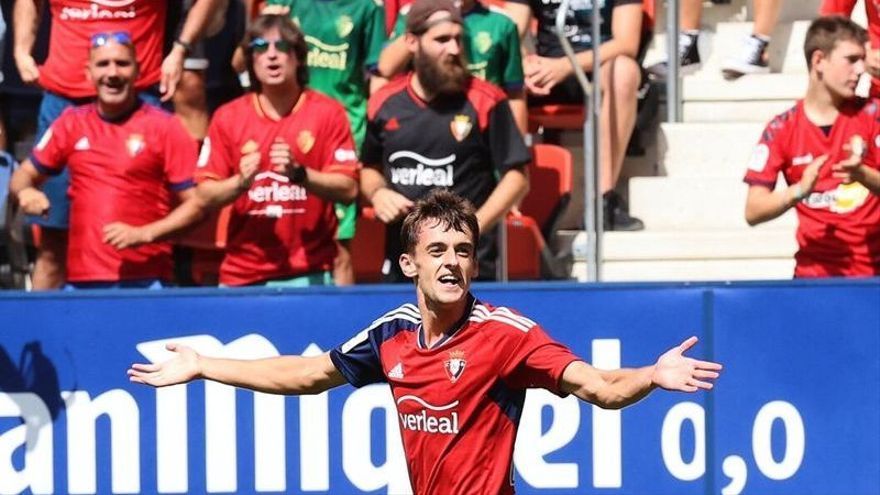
(734, 111)
(691, 270)
(762, 87)
(693, 203)
(695, 245)
(701, 150)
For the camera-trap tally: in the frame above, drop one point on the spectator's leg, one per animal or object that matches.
(766, 15)
(51, 264)
(190, 103)
(691, 13)
(620, 83)
(343, 270)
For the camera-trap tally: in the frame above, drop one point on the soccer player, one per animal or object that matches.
(826, 147)
(492, 52)
(458, 420)
(64, 83)
(344, 39)
(126, 159)
(441, 127)
(281, 155)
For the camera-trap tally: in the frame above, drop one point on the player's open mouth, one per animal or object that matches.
(449, 280)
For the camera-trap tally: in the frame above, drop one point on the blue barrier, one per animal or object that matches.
(796, 412)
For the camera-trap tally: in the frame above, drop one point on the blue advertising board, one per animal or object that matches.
(796, 411)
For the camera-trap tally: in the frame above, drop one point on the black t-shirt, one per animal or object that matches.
(578, 23)
(462, 143)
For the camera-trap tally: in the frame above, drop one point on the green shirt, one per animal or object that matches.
(491, 45)
(344, 38)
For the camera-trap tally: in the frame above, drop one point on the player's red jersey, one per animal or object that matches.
(458, 402)
(120, 171)
(872, 9)
(73, 24)
(278, 229)
(839, 224)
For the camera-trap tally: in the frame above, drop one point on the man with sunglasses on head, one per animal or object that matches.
(281, 155)
(61, 77)
(127, 162)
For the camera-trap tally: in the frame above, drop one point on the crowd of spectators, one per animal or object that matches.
(304, 112)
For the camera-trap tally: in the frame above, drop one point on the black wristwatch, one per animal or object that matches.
(187, 47)
(298, 175)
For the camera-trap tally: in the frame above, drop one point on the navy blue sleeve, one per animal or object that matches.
(358, 359)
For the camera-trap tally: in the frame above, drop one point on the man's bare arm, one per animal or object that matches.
(190, 210)
(616, 389)
(26, 21)
(511, 189)
(289, 375)
(197, 20)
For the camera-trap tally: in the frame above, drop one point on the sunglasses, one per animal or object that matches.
(121, 37)
(261, 45)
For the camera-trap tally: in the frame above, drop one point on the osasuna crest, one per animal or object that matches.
(344, 25)
(305, 140)
(460, 126)
(455, 365)
(134, 143)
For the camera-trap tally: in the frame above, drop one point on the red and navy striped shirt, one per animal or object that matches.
(459, 401)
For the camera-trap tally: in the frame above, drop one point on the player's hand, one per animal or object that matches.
(275, 10)
(850, 169)
(811, 174)
(27, 68)
(281, 159)
(248, 167)
(122, 235)
(542, 74)
(183, 367)
(675, 371)
(390, 205)
(32, 201)
(172, 71)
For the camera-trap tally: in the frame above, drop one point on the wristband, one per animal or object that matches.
(798, 193)
(298, 175)
(187, 47)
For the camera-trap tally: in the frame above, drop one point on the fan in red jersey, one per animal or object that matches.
(872, 11)
(826, 147)
(127, 159)
(281, 156)
(458, 367)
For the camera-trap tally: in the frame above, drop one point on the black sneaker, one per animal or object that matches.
(616, 214)
(688, 55)
(752, 59)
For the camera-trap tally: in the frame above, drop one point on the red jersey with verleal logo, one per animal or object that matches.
(838, 224)
(120, 171)
(73, 24)
(872, 11)
(459, 401)
(278, 229)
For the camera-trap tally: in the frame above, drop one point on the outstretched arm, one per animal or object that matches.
(289, 375)
(616, 389)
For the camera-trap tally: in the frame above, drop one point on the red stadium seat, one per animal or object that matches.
(368, 248)
(550, 178)
(565, 117)
(525, 245)
(208, 242)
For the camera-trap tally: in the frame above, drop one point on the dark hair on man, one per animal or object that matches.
(289, 32)
(443, 207)
(825, 32)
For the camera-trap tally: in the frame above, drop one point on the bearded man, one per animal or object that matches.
(438, 127)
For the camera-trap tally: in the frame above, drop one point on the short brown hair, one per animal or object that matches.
(289, 32)
(447, 209)
(825, 32)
